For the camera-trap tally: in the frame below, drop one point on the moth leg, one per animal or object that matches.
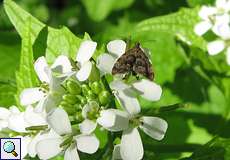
(126, 76)
(137, 77)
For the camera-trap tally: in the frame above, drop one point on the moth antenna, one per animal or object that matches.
(128, 43)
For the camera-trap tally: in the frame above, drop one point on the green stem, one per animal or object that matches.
(169, 108)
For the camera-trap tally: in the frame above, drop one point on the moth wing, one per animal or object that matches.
(123, 64)
(146, 68)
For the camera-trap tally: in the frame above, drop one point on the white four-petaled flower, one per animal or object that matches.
(58, 120)
(217, 19)
(51, 91)
(128, 121)
(18, 121)
(131, 147)
(213, 17)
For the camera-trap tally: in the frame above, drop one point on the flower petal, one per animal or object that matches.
(87, 126)
(4, 113)
(87, 143)
(86, 50)
(39, 108)
(32, 145)
(113, 120)
(33, 118)
(3, 124)
(215, 47)
(14, 110)
(31, 96)
(128, 102)
(41, 68)
(131, 147)
(47, 104)
(116, 153)
(59, 121)
(84, 73)
(116, 47)
(62, 65)
(24, 145)
(222, 30)
(48, 148)
(154, 127)
(202, 27)
(206, 11)
(221, 3)
(17, 122)
(118, 85)
(71, 153)
(105, 63)
(91, 106)
(149, 90)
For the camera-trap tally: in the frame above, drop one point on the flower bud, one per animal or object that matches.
(104, 97)
(78, 117)
(65, 104)
(70, 109)
(72, 99)
(90, 94)
(96, 87)
(78, 107)
(82, 99)
(85, 89)
(73, 87)
(91, 99)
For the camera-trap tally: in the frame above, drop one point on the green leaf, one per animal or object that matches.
(18, 17)
(216, 149)
(9, 54)
(26, 76)
(194, 3)
(179, 24)
(61, 41)
(100, 9)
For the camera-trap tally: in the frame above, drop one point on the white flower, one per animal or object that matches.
(206, 24)
(222, 28)
(85, 52)
(5, 114)
(18, 121)
(59, 121)
(84, 67)
(28, 143)
(218, 46)
(127, 95)
(131, 147)
(88, 125)
(105, 62)
(212, 17)
(49, 94)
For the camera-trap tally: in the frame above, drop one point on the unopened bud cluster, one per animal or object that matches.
(79, 94)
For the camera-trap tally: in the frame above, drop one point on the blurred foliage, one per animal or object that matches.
(165, 27)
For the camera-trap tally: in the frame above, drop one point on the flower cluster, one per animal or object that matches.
(216, 18)
(74, 99)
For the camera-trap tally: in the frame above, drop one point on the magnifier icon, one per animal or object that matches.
(9, 147)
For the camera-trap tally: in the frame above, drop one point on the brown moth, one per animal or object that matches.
(134, 61)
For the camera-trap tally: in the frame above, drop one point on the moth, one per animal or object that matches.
(134, 61)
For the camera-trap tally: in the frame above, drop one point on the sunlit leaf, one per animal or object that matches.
(179, 24)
